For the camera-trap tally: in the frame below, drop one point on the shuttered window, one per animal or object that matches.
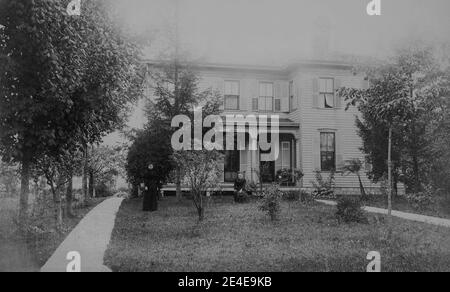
(326, 93)
(232, 95)
(278, 105)
(265, 101)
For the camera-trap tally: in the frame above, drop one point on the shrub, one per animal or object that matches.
(306, 197)
(102, 190)
(270, 202)
(291, 196)
(421, 200)
(324, 188)
(251, 188)
(349, 210)
(288, 177)
(242, 197)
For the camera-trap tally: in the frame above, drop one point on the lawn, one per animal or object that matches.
(440, 207)
(20, 253)
(240, 238)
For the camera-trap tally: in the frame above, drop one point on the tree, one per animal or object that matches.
(8, 178)
(355, 166)
(150, 147)
(64, 81)
(201, 172)
(56, 173)
(399, 109)
(104, 164)
(176, 92)
(387, 101)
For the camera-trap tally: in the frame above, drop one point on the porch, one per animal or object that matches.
(224, 187)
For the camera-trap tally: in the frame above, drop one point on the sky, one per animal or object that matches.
(275, 32)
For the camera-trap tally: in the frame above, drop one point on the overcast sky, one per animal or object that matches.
(276, 31)
(273, 32)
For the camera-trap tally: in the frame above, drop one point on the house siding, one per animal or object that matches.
(312, 120)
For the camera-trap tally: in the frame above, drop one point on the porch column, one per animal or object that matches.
(298, 161)
(254, 164)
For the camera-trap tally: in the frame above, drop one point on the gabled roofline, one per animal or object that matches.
(270, 69)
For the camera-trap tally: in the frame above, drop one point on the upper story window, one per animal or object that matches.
(326, 93)
(327, 151)
(292, 101)
(265, 101)
(232, 95)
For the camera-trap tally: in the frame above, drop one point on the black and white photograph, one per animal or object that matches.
(224, 143)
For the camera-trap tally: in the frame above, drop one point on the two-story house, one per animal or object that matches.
(316, 132)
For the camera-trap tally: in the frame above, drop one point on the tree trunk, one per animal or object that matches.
(417, 185)
(85, 177)
(69, 196)
(200, 209)
(178, 184)
(134, 191)
(24, 194)
(37, 203)
(361, 187)
(414, 154)
(390, 173)
(91, 184)
(58, 203)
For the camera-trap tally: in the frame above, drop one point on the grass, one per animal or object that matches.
(240, 238)
(440, 208)
(27, 253)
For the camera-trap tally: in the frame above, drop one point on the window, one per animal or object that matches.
(265, 102)
(326, 92)
(231, 95)
(292, 101)
(285, 155)
(327, 151)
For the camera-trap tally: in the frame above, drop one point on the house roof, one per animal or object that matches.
(282, 69)
(283, 123)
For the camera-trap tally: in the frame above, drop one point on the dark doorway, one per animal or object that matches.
(231, 165)
(267, 169)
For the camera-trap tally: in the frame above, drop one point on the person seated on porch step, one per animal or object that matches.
(239, 186)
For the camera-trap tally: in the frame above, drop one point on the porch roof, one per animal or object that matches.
(283, 123)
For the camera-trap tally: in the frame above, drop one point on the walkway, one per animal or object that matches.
(89, 239)
(403, 215)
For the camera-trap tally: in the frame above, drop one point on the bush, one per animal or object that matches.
(251, 188)
(291, 196)
(242, 197)
(421, 200)
(324, 188)
(306, 197)
(271, 202)
(288, 177)
(102, 191)
(349, 210)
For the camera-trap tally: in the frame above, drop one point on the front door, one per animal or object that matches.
(232, 161)
(267, 169)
